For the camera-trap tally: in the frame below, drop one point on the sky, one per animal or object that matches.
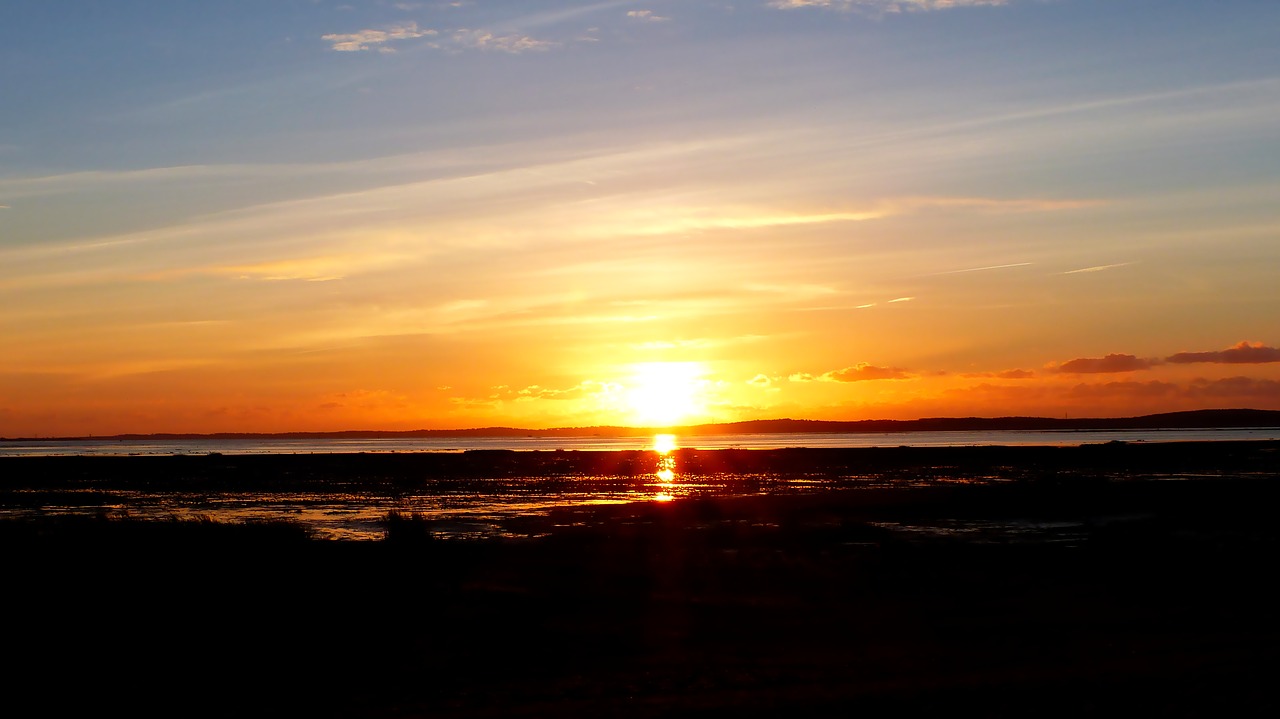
(304, 215)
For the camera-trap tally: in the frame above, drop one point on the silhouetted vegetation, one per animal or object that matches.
(120, 530)
(407, 527)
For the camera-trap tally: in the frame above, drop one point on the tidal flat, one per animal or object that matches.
(1095, 580)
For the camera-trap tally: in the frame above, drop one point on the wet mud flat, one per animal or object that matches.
(1134, 594)
(404, 471)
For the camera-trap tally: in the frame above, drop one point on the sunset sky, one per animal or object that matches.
(250, 215)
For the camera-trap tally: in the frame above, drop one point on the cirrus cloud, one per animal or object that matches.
(884, 6)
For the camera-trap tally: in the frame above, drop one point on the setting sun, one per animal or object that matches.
(665, 393)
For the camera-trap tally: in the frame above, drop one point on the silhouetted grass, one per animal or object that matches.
(119, 528)
(407, 527)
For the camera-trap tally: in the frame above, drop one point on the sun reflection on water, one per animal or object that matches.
(664, 443)
(665, 474)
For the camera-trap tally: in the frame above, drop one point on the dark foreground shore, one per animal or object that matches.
(1084, 582)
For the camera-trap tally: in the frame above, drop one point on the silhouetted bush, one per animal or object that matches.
(407, 527)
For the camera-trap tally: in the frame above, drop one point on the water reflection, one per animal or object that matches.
(664, 444)
(665, 474)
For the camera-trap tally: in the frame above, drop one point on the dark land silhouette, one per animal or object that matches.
(1083, 580)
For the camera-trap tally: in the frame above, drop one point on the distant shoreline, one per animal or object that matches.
(1193, 419)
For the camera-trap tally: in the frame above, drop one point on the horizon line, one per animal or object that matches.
(638, 430)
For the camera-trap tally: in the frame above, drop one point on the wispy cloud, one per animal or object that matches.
(513, 43)
(884, 6)
(1103, 365)
(458, 39)
(1242, 353)
(863, 372)
(1005, 374)
(991, 205)
(562, 15)
(646, 16)
(370, 39)
(1250, 389)
(984, 269)
(1096, 268)
(1129, 396)
(579, 391)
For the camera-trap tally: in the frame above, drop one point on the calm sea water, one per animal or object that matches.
(742, 441)
(484, 509)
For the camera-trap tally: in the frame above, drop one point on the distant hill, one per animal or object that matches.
(1204, 418)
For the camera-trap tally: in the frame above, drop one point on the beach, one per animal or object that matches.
(1103, 579)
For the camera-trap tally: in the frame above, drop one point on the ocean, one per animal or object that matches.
(137, 447)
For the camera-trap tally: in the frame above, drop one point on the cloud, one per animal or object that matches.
(863, 371)
(1096, 268)
(989, 205)
(1104, 398)
(1016, 374)
(512, 43)
(370, 39)
(983, 269)
(1143, 390)
(760, 380)
(365, 399)
(883, 6)
(1248, 388)
(646, 15)
(374, 39)
(1006, 374)
(1242, 353)
(1108, 364)
(801, 377)
(586, 388)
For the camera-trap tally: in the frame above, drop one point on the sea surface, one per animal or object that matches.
(51, 447)
(490, 508)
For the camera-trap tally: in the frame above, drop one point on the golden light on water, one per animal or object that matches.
(664, 443)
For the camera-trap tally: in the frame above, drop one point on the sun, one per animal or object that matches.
(662, 394)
